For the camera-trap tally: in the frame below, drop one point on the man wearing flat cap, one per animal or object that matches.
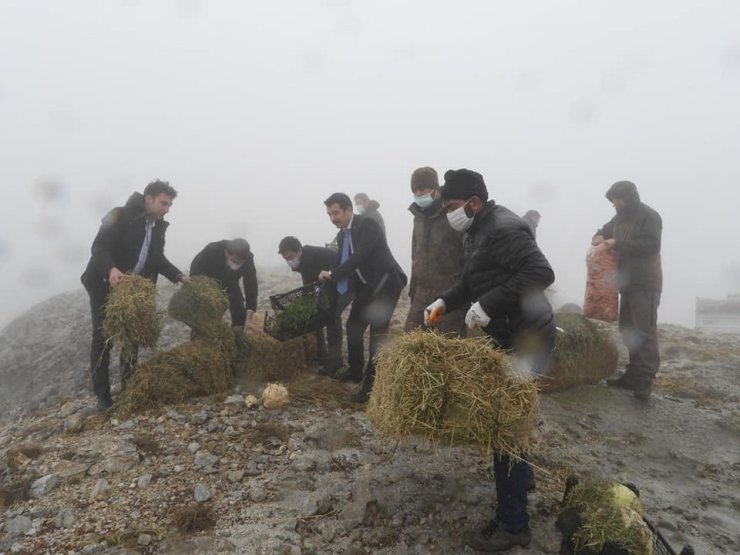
(504, 277)
(230, 261)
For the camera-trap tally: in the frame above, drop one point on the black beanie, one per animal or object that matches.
(424, 178)
(463, 184)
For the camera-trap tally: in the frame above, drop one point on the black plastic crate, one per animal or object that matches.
(320, 315)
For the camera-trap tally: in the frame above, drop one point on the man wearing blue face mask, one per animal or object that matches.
(229, 262)
(436, 254)
(505, 277)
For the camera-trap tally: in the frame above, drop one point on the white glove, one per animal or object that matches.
(434, 312)
(477, 317)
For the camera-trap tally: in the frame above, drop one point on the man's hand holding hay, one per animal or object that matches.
(250, 326)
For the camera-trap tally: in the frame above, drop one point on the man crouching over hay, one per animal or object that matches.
(504, 277)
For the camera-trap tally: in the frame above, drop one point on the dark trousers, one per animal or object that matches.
(100, 347)
(236, 304)
(372, 307)
(638, 324)
(330, 339)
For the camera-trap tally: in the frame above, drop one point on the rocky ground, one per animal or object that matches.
(217, 475)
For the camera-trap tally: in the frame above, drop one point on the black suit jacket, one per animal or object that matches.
(369, 254)
(211, 262)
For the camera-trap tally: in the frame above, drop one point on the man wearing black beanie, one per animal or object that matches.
(504, 278)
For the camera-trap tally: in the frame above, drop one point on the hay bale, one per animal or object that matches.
(275, 396)
(461, 391)
(131, 319)
(192, 369)
(265, 358)
(603, 519)
(584, 353)
(200, 304)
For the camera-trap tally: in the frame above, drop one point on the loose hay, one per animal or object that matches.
(200, 304)
(605, 520)
(275, 396)
(192, 369)
(265, 358)
(310, 389)
(193, 518)
(131, 318)
(455, 390)
(584, 353)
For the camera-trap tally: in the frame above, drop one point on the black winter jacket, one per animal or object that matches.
(506, 272)
(315, 260)
(211, 262)
(637, 229)
(119, 241)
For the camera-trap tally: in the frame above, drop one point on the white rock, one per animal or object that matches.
(43, 485)
(201, 493)
(18, 525)
(99, 487)
(144, 481)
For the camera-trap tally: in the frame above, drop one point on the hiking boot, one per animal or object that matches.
(625, 381)
(642, 390)
(493, 538)
(104, 403)
(351, 375)
(363, 394)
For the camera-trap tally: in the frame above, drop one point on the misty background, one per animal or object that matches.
(257, 111)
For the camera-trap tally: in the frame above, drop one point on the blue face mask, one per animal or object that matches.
(423, 201)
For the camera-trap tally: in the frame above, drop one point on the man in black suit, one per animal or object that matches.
(367, 266)
(309, 261)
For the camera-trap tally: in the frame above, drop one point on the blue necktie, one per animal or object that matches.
(343, 284)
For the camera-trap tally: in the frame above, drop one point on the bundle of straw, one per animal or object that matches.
(603, 520)
(265, 358)
(584, 353)
(131, 318)
(201, 304)
(192, 369)
(456, 390)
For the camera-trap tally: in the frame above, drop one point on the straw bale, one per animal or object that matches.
(275, 396)
(265, 358)
(585, 353)
(192, 369)
(605, 520)
(461, 391)
(200, 304)
(131, 318)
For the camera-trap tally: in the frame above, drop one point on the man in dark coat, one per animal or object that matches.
(309, 262)
(367, 267)
(436, 254)
(369, 209)
(130, 240)
(532, 219)
(505, 277)
(229, 262)
(634, 233)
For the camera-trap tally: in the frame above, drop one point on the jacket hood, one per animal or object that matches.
(135, 202)
(372, 205)
(626, 190)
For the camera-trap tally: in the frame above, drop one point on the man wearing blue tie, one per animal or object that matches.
(367, 268)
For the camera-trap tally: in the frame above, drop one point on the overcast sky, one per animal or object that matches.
(257, 111)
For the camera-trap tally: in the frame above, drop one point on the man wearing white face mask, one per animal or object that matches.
(505, 277)
(229, 262)
(436, 255)
(309, 262)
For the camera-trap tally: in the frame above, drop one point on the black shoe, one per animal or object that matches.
(531, 482)
(104, 403)
(493, 538)
(362, 395)
(642, 390)
(329, 370)
(351, 375)
(625, 381)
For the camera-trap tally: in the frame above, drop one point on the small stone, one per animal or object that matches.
(212, 427)
(201, 493)
(199, 418)
(69, 469)
(234, 400)
(194, 447)
(144, 539)
(74, 424)
(66, 518)
(43, 485)
(18, 526)
(204, 460)
(235, 475)
(99, 487)
(144, 481)
(178, 468)
(121, 462)
(68, 409)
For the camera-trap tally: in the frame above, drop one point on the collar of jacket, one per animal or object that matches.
(431, 211)
(482, 216)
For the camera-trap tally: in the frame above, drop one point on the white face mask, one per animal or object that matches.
(423, 201)
(360, 209)
(459, 220)
(233, 265)
(294, 263)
